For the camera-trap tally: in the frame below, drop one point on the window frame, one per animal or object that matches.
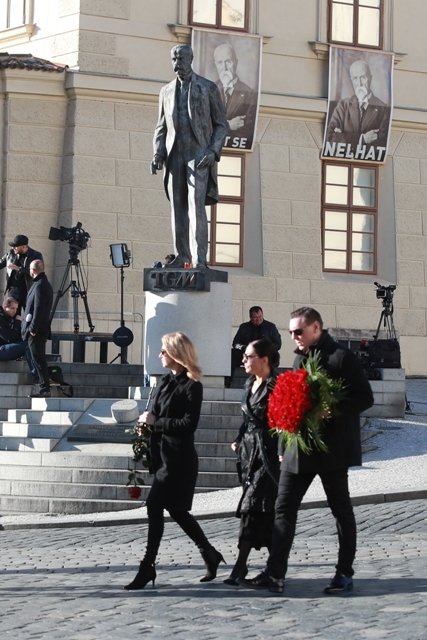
(22, 31)
(218, 24)
(240, 200)
(355, 42)
(350, 210)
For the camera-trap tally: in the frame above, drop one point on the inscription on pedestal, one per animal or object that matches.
(182, 279)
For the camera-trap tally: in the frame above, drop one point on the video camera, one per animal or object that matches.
(385, 293)
(76, 236)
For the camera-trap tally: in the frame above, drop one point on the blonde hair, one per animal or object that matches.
(182, 350)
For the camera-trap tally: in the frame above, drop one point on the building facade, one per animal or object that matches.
(77, 119)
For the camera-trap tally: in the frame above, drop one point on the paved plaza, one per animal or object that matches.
(67, 583)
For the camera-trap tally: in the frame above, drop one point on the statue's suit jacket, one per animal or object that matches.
(208, 123)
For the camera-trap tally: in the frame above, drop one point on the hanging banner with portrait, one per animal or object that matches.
(233, 62)
(360, 105)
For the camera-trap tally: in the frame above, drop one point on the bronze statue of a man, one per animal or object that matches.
(187, 142)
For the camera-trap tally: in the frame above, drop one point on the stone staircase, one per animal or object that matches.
(44, 469)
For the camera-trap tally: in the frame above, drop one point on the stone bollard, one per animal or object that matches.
(125, 411)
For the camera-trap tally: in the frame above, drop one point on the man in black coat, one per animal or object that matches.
(298, 470)
(255, 329)
(17, 261)
(11, 345)
(36, 324)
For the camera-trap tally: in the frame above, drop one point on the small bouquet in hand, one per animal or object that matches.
(141, 454)
(301, 403)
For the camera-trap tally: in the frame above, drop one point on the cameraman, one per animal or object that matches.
(18, 261)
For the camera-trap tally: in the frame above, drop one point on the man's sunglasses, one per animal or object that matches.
(297, 332)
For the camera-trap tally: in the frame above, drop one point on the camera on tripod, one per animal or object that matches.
(385, 293)
(382, 353)
(76, 236)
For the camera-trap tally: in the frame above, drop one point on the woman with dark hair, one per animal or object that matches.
(173, 420)
(258, 461)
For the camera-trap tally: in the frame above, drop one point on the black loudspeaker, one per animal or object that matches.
(384, 354)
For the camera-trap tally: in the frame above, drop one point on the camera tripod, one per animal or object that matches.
(386, 319)
(73, 274)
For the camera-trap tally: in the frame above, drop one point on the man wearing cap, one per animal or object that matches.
(18, 261)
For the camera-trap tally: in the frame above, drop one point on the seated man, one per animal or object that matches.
(11, 344)
(255, 329)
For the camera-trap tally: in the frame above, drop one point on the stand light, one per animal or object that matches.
(122, 337)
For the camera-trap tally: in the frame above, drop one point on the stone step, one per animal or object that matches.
(217, 393)
(63, 490)
(37, 416)
(59, 403)
(65, 459)
(216, 435)
(214, 449)
(213, 422)
(38, 431)
(10, 443)
(17, 402)
(224, 408)
(81, 368)
(28, 504)
(97, 476)
(14, 377)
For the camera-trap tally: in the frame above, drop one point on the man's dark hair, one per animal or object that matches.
(255, 309)
(264, 348)
(8, 300)
(309, 314)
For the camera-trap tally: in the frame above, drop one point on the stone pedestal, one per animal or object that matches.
(201, 308)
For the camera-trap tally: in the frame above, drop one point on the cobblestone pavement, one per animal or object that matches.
(67, 583)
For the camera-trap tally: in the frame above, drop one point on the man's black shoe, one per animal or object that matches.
(42, 393)
(265, 581)
(339, 585)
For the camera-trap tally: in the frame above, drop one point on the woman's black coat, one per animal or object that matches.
(177, 406)
(341, 432)
(257, 453)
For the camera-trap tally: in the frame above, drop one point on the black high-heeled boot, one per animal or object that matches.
(146, 573)
(240, 569)
(212, 558)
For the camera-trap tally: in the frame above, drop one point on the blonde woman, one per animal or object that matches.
(173, 418)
